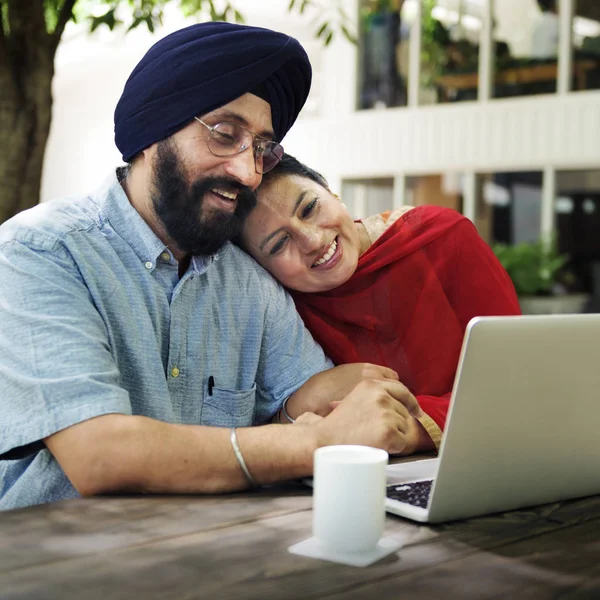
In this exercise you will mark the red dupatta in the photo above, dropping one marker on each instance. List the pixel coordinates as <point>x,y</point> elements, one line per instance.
<point>409,301</point>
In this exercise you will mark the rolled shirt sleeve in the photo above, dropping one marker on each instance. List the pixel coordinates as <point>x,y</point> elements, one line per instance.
<point>56,367</point>
<point>289,356</point>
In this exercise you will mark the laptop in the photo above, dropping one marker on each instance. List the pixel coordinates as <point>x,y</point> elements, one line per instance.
<point>523,423</point>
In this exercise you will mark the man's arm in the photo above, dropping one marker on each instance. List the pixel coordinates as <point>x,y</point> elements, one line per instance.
<point>123,453</point>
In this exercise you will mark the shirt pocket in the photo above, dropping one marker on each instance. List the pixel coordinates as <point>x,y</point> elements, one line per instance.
<point>229,408</point>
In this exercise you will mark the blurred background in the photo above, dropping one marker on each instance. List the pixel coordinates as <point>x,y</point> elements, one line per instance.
<point>489,107</point>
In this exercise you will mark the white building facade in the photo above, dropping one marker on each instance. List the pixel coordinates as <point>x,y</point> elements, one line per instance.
<point>376,157</point>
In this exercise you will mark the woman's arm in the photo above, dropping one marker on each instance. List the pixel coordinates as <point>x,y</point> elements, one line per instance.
<point>476,285</point>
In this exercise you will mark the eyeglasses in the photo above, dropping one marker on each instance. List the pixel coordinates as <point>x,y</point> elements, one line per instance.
<point>228,139</point>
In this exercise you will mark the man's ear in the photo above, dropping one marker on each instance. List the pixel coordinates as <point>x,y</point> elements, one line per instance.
<point>147,154</point>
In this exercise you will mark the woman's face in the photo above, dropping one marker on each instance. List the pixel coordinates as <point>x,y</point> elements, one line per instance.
<point>302,234</point>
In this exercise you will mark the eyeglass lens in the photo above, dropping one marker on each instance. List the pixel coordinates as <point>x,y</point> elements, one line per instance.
<point>230,138</point>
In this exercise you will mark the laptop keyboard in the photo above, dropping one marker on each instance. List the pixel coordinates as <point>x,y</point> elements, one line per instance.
<point>415,493</point>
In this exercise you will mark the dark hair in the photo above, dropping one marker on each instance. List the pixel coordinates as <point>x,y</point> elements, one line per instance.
<point>288,165</point>
<point>292,166</point>
<point>547,5</point>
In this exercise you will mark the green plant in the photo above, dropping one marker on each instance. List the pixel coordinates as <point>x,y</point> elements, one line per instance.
<point>434,41</point>
<point>329,17</point>
<point>535,268</point>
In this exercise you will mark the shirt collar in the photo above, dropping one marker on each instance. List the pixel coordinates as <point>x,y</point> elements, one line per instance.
<point>116,209</point>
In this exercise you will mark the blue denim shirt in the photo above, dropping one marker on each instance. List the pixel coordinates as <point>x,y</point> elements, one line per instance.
<point>94,319</point>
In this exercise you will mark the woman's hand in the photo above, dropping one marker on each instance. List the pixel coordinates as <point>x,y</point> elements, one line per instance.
<point>317,394</point>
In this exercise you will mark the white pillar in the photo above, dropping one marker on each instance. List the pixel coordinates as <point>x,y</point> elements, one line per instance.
<point>400,198</point>
<point>470,195</point>
<point>486,53</point>
<point>414,58</point>
<point>360,201</point>
<point>565,45</point>
<point>547,208</point>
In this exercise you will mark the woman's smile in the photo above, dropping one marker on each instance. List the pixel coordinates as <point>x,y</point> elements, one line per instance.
<point>331,257</point>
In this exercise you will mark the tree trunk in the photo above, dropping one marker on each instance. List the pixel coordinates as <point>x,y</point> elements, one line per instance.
<point>24,128</point>
<point>27,53</point>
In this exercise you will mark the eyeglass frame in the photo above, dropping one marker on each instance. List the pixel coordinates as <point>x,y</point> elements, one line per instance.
<point>264,141</point>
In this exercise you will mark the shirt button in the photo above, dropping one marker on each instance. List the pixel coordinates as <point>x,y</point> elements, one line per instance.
<point>148,265</point>
<point>165,256</point>
<point>174,372</point>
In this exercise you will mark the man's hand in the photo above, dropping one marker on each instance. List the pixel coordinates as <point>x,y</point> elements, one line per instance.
<point>379,413</point>
<point>317,394</point>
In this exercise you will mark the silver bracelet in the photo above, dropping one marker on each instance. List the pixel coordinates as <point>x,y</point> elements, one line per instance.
<point>285,412</point>
<point>240,458</point>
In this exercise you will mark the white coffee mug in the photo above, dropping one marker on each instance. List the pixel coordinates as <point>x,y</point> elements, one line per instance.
<point>349,497</point>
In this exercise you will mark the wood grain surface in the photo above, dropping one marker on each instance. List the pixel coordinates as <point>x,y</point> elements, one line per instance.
<point>235,546</point>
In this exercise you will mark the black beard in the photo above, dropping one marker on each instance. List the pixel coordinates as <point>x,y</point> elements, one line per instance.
<point>179,206</point>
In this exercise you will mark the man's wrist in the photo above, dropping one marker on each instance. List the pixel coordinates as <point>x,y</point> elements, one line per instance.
<point>311,439</point>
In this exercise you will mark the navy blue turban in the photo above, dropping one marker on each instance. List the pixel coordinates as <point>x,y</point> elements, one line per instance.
<point>202,67</point>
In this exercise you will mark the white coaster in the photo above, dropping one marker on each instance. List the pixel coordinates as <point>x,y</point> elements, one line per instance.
<point>313,548</point>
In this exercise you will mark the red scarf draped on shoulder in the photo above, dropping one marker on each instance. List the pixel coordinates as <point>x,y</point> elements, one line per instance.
<point>409,301</point>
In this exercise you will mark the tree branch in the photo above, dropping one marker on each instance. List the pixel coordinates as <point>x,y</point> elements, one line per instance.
<point>66,13</point>
<point>3,49</point>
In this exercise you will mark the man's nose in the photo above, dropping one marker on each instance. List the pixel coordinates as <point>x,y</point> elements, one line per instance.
<point>242,168</point>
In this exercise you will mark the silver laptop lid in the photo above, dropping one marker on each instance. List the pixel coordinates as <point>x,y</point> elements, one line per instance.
<point>523,424</point>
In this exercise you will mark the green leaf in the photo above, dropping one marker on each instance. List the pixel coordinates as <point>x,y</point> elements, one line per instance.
<point>95,23</point>
<point>150,23</point>
<point>135,23</point>
<point>322,29</point>
<point>291,5</point>
<point>533,267</point>
<point>349,36</point>
<point>328,38</point>
<point>213,11</point>
<point>107,19</point>
<point>51,11</point>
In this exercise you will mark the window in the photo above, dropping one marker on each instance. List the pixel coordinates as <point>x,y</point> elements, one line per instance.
<point>365,197</point>
<point>509,207</point>
<point>577,220</point>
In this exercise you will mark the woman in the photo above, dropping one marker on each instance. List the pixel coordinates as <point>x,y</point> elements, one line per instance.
<point>395,289</point>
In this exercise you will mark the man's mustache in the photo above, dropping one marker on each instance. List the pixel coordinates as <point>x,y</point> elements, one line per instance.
<point>206,184</point>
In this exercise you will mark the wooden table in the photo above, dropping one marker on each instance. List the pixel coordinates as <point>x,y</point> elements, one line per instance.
<point>518,75</point>
<point>235,546</point>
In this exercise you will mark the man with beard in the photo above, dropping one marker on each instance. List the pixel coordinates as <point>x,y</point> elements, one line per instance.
<point>138,346</point>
